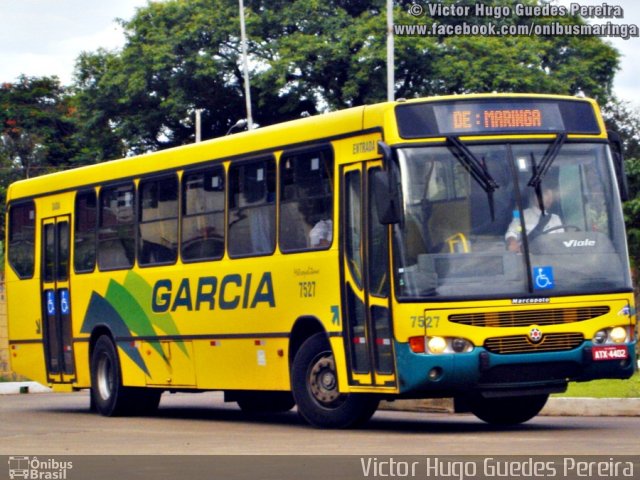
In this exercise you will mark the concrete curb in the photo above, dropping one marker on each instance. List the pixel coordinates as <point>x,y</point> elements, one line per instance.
<point>12,388</point>
<point>556,406</point>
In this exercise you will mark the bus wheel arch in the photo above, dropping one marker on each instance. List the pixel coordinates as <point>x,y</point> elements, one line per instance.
<point>315,389</point>
<point>109,396</point>
<point>304,328</point>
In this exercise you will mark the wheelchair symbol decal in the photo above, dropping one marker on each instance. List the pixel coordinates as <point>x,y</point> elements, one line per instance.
<point>64,302</point>
<point>543,278</point>
<point>51,303</point>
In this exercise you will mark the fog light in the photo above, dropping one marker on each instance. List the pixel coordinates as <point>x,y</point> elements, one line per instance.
<point>618,335</point>
<point>435,373</point>
<point>437,344</point>
<point>600,337</point>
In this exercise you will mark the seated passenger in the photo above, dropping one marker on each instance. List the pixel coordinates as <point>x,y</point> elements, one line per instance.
<point>534,221</point>
<point>317,215</point>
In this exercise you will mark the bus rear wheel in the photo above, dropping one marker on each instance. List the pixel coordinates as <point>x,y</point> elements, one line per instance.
<point>507,410</point>
<point>315,389</point>
<point>108,396</point>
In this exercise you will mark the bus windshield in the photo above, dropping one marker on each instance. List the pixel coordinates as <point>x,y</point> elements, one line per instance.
<point>549,224</point>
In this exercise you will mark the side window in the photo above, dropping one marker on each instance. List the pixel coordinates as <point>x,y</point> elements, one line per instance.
<point>353,224</point>
<point>306,201</point>
<point>158,221</point>
<point>252,208</point>
<point>378,247</point>
<point>116,234</point>
<point>21,251</point>
<point>84,240</point>
<point>203,215</point>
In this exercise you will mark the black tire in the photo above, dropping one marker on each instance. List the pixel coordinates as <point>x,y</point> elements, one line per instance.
<point>507,410</point>
<point>265,402</point>
<point>315,389</point>
<point>108,396</point>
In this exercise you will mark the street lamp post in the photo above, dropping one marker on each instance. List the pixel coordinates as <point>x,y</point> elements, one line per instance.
<point>245,62</point>
<point>390,53</point>
<point>198,125</point>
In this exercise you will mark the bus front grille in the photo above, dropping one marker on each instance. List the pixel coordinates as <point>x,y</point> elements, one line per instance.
<point>524,318</point>
<point>551,342</point>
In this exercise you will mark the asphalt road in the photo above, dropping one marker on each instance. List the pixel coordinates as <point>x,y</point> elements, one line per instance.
<point>197,424</point>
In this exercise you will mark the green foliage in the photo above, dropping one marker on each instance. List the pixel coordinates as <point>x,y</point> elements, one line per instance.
<point>37,130</point>
<point>305,56</point>
<point>36,126</point>
<point>605,388</point>
<point>624,119</point>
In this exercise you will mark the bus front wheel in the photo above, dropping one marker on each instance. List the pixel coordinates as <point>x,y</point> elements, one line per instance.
<point>108,396</point>
<point>315,389</point>
<point>507,410</point>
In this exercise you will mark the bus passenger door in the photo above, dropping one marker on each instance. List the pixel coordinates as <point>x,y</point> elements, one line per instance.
<point>56,299</point>
<point>368,333</point>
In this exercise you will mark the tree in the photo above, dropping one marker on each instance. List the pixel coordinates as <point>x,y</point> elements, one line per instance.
<point>36,130</point>
<point>624,119</point>
<point>306,56</point>
<point>179,56</point>
<point>36,126</point>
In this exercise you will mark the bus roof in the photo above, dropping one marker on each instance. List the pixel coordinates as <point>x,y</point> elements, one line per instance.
<point>262,140</point>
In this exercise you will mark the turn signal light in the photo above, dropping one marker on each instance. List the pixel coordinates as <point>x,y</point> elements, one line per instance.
<point>417,344</point>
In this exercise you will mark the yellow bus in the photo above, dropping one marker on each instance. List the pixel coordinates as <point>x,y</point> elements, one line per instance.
<point>468,247</point>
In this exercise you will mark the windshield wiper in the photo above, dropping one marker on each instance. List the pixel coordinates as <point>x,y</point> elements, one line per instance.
<point>476,168</point>
<point>539,171</point>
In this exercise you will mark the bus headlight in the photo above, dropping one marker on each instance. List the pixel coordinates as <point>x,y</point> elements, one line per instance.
<point>618,334</point>
<point>611,335</point>
<point>436,345</point>
<point>600,337</point>
<point>460,345</point>
<point>439,345</point>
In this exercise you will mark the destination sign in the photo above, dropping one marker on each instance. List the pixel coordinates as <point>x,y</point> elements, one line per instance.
<point>496,116</point>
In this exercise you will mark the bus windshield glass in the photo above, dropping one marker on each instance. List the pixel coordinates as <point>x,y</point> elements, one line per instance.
<point>551,223</point>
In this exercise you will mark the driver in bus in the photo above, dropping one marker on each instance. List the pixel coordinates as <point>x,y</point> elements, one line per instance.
<point>535,223</point>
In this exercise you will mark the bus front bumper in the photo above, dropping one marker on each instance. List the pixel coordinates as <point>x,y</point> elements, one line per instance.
<point>421,375</point>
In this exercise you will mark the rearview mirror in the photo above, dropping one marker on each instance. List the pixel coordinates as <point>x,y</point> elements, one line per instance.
<point>618,162</point>
<point>386,189</point>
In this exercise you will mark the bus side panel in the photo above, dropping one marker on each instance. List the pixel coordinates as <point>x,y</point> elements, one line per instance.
<point>25,328</point>
<point>242,364</point>
<point>81,358</point>
<point>169,363</point>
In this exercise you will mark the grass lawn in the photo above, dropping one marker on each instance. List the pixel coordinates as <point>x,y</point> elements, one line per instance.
<point>605,388</point>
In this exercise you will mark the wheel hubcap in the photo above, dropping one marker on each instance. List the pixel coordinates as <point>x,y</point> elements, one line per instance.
<point>105,378</point>
<point>323,381</point>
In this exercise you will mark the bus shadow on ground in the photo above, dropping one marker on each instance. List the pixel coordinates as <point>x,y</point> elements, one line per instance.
<point>382,421</point>
<point>207,408</point>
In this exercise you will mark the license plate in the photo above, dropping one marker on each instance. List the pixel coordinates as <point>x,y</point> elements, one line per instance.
<point>610,353</point>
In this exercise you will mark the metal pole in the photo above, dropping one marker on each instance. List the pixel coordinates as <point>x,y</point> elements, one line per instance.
<point>245,61</point>
<point>390,54</point>
<point>198,125</point>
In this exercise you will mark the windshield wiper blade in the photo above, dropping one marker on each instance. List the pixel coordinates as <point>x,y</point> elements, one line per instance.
<point>477,169</point>
<point>539,171</point>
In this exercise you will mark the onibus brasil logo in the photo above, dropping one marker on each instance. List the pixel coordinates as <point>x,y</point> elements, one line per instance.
<point>38,469</point>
